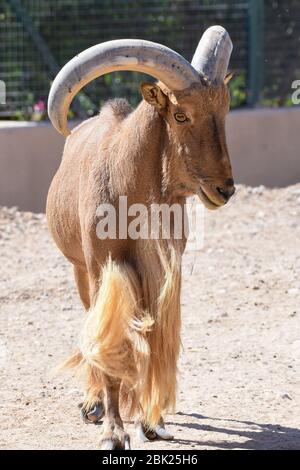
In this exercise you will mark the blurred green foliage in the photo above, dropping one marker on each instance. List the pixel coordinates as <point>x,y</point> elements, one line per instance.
<point>237,87</point>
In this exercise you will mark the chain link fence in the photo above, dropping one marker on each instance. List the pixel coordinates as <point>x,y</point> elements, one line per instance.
<point>37,37</point>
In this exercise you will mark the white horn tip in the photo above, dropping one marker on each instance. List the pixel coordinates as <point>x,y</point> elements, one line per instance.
<point>212,55</point>
<point>220,31</point>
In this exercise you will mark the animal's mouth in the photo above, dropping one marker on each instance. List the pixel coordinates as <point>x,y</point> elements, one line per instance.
<point>209,199</point>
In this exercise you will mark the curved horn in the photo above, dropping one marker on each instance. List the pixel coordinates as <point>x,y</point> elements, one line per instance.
<point>212,55</point>
<point>125,54</point>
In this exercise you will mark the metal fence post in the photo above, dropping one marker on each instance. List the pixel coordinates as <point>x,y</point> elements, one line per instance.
<point>256,50</point>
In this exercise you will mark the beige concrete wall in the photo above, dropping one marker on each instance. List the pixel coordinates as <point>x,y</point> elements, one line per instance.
<point>29,156</point>
<point>264,148</point>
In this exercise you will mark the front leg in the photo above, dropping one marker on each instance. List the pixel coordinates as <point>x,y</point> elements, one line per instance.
<point>113,435</point>
<point>83,285</point>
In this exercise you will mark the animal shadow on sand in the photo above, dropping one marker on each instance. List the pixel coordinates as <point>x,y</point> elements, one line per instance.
<point>257,436</point>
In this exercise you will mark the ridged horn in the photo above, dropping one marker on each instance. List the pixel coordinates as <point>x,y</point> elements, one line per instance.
<point>125,54</point>
<point>213,53</point>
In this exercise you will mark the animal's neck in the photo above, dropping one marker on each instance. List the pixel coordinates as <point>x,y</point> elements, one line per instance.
<point>152,160</point>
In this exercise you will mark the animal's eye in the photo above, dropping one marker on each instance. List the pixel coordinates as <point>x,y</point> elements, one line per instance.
<point>180,117</point>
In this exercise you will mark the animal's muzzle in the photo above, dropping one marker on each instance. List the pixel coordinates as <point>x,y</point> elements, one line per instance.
<point>226,191</point>
<point>214,196</point>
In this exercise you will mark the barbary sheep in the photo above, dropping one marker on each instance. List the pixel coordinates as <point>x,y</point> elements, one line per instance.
<point>170,147</point>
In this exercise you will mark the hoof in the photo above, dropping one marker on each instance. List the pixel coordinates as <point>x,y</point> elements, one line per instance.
<point>114,443</point>
<point>144,434</point>
<point>114,437</point>
<point>161,433</point>
<point>94,415</point>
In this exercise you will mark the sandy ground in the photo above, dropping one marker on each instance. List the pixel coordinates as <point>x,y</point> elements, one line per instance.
<point>239,368</point>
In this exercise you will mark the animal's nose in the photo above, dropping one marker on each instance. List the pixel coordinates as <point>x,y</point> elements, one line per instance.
<point>227,191</point>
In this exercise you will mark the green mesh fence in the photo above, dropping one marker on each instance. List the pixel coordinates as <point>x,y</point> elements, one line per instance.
<point>37,37</point>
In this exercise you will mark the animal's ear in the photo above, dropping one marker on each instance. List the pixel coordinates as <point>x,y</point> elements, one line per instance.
<point>153,95</point>
<point>228,77</point>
